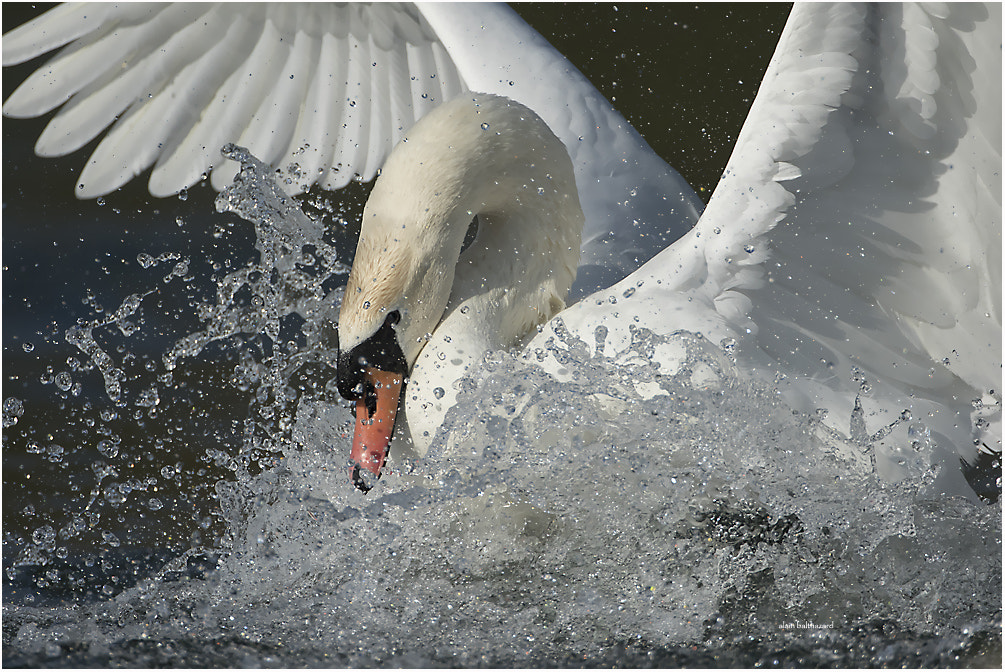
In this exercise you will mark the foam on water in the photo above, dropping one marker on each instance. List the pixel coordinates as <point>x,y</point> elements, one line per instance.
<point>552,523</point>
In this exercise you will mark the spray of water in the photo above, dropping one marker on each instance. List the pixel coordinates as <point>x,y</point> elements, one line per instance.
<point>553,523</point>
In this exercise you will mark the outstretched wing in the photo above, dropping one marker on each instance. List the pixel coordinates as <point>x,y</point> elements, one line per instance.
<point>318,90</point>
<point>323,92</point>
<point>854,241</point>
<point>860,213</point>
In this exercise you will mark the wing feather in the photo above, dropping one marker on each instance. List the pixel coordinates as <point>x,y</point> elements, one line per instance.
<point>50,31</point>
<point>353,139</point>
<point>331,101</point>
<point>381,126</point>
<point>270,131</point>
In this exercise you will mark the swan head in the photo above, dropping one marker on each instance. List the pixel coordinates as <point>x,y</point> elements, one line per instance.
<point>477,155</point>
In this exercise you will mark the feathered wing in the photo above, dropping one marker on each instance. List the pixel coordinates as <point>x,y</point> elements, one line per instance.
<point>879,256</point>
<point>853,246</point>
<point>888,244</point>
<point>318,90</point>
<point>323,92</point>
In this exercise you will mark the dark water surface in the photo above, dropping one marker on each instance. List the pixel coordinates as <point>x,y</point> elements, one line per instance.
<point>200,516</point>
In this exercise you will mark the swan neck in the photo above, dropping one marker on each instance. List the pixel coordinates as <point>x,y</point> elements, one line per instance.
<point>478,155</point>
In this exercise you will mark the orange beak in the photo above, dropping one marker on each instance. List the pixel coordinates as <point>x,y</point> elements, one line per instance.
<point>375,421</point>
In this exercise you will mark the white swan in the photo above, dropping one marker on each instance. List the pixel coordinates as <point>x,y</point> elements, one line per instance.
<point>857,226</point>
<point>851,251</point>
<point>323,92</point>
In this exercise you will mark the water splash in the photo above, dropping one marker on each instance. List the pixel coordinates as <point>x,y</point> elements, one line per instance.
<point>623,515</point>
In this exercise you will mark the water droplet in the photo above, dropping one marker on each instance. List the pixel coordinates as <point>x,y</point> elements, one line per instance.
<point>438,392</point>
<point>63,381</point>
<point>108,448</point>
<point>55,453</point>
<point>13,409</point>
<point>44,536</point>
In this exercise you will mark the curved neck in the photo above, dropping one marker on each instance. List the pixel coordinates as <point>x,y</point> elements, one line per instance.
<point>476,155</point>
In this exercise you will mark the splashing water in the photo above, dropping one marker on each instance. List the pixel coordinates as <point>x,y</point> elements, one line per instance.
<point>552,523</point>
